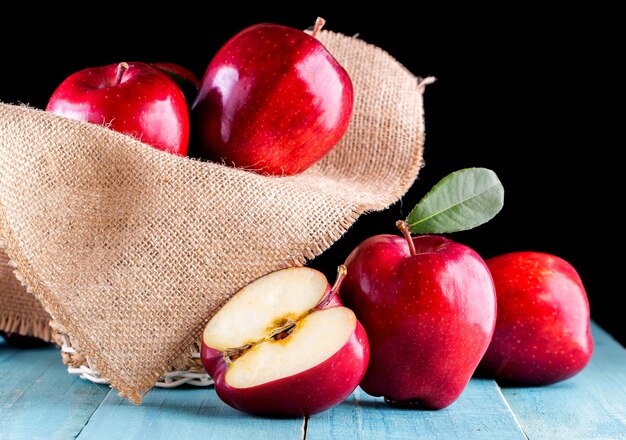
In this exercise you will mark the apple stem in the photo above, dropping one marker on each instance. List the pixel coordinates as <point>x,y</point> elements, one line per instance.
<point>404,228</point>
<point>121,68</point>
<point>341,274</point>
<point>423,82</point>
<point>319,24</point>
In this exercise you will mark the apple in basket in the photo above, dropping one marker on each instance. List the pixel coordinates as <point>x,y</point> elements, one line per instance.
<point>272,100</point>
<point>133,98</point>
<point>284,345</point>
<point>185,79</point>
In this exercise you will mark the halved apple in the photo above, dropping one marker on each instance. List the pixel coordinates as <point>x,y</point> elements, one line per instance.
<point>284,345</point>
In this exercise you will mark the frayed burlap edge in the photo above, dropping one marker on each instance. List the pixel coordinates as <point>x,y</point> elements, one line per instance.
<point>39,328</point>
<point>23,322</point>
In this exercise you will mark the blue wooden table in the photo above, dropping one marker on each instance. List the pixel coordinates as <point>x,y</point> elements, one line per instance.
<point>40,400</point>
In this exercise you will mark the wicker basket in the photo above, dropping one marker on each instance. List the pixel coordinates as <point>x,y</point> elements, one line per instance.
<point>76,363</point>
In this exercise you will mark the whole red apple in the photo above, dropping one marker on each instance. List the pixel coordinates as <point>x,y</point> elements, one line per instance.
<point>285,346</point>
<point>542,332</point>
<point>133,98</point>
<point>428,306</point>
<point>272,100</point>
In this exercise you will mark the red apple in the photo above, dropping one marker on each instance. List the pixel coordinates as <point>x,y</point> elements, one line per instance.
<point>133,98</point>
<point>542,332</point>
<point>185,79</point>
<point>428,306</point>
<point>285,346</point>
<point>272,100</point>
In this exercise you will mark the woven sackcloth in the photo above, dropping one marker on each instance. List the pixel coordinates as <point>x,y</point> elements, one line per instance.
<point>131,250</point>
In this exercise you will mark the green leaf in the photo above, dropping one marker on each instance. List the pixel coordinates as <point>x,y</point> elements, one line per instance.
<point>462,200</point>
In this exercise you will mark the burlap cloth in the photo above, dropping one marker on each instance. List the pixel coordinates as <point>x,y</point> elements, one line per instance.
<point>132,250</point>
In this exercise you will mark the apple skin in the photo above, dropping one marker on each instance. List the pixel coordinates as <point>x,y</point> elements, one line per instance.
<point>542,333</point>
<point>429,317</point>
<point>272,100</point>
<point>146,104</point>
<point>185,79</point>
<point>305,393</point>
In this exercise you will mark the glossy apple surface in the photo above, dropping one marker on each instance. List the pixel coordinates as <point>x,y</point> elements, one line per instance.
<point>133,98</point>
<point>272,100</point>
<point>285,346</point>
<point>185,79</point>
<point>429,315</point>
<point>542,332</point>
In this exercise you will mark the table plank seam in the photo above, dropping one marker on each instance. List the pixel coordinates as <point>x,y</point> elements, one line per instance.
<point>506,403</point>
<point>92,414</point>
<point>589,405</point>
<point>305,423</point>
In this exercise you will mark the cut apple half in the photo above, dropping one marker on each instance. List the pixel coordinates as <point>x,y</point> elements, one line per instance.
<point>285,345</point>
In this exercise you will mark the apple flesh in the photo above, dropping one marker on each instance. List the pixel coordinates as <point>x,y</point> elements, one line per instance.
<point>133,98</point>
<point>542,333</point>
<point>285,346</point>
<point>428,306</point>
<point>272,100</point>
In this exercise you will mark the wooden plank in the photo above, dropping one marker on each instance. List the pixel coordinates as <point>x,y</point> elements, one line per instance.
<point>39,399</point>
<point>479,413</point>
<point>183,413</point>
<point>591,405</point>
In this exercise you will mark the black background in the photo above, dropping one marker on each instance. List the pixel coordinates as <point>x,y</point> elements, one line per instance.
<point>528,92</point>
